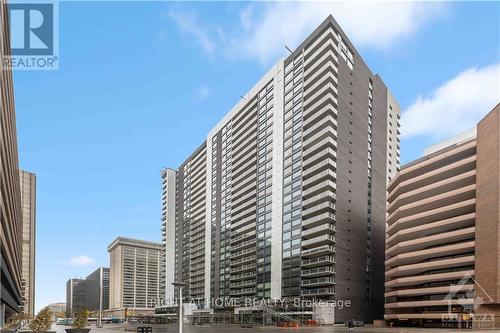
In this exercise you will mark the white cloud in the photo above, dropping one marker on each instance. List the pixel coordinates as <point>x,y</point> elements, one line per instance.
<point>188,24</point>
<point>264,29</point>
<point>203,92</point>
<point>455,106</point>
<point>81,260</point>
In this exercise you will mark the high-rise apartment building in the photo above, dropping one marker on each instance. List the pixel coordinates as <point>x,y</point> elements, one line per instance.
<point>10,194</point>
<point>134,275</point>
<point>443,244</point>
<point>28,200</point>
<point>286,197</point>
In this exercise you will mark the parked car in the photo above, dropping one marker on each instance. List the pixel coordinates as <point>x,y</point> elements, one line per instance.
<point>355,323</point>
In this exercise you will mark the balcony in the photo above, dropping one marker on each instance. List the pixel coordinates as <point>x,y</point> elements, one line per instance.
<point>247,283</point>
<point>248,228</point>
<point>427,278</point>
<point>326,164</point>
<point>318,241</point>
<point>242,260</point>
<point>320,271</point>
<point>323,207</point>
<point>314,180</point>
<point>243,245</point>
<point>320,261</point>
<point>318,251</point>
<point>242,276</point>
<point>318,282</point>
<point>242,237</point>
<point>318,220</point>
<point>319,230</point>
<point>326,196</point>
<point>321,155</point>
<point>235,255</point>
<point>326,143</point>
<point>318,292</point>
<point>325,185</point>
<point>441,213</point>
<point>243,268</point>
<point>244,291</point>
<point>433,228</point>
<point>440,201</point>
<point>415,269</point>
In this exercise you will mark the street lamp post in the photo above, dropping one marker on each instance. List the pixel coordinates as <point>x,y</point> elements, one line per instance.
<point>180,285</point>
<point>99,323</point>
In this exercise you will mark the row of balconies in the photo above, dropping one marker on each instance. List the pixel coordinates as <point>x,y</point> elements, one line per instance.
<point>439,201</point>
<point>249,220</point>
<point>327,79</point>
<point>197,278</point>
<point>328,195</point>
<point>194,267</point>
<point>235,255</point>
<point>242,276</point>
<point>313,76</point>
<point>328,228</point>
<point>448,162</point>
<point>320,271</point>
<point>322,155</point>
<point>241,237</point>
<point>243,244</point>
<point>318,251</point>
<point>325,133</point>
<point>242,260</point>
<point>196,285</point>
<point>425,217</point>
<point>317,54</point>
<point>196,273</point>
<point>316,282</point>
<point>318,292</point>
<point>242,284</point>
<point>419,268</point>
<point>323,207</point>
<point>243,291</point>
<point>326,164</point>
<point>314,180</point>
<point>243,268</point>
<point>317,220</point>
<point>319,261</point>
<point>244,228</point>
<point>328,142</point>
<point>318,241</point>
<point>438,187</point>
<point>328,35</point>
<point>428,229</point>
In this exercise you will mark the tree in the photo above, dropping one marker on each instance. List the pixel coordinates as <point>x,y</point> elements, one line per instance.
<point>81,319</point>
<point>42,321</point>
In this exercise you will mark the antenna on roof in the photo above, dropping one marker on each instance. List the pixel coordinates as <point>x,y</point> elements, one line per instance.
<point>286,47</point>
<point>243,97</point>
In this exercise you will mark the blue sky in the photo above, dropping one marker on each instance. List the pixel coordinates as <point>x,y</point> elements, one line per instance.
<point>141,83</point>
